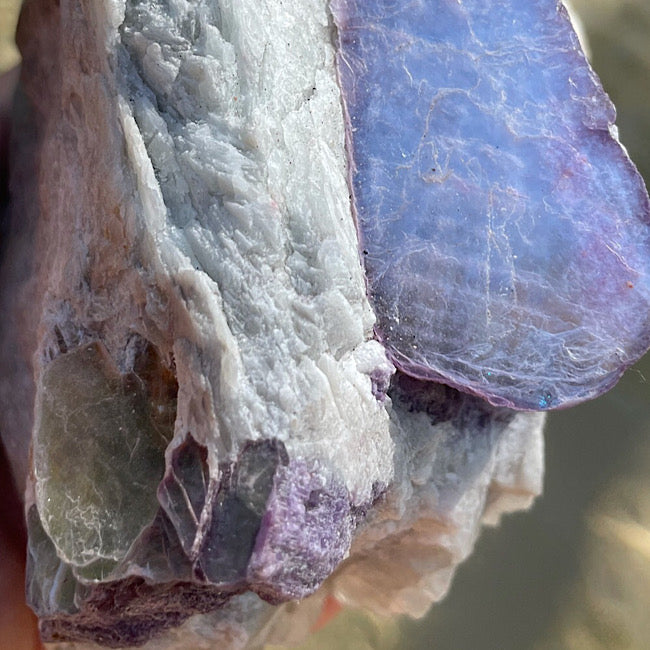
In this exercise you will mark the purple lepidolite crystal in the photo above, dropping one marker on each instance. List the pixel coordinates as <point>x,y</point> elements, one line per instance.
<point>503,228</point>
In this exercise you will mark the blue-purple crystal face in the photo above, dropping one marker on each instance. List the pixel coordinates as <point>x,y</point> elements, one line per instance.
<point>504,230</point>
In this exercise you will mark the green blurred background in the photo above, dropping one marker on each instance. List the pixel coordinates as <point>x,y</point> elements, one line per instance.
<point>574,572</point>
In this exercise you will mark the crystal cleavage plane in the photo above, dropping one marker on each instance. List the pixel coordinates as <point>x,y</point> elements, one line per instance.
<point>505,232</point>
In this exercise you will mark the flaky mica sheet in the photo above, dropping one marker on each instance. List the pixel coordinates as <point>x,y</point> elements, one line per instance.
<point>505,231</point>
<point>187,340</point>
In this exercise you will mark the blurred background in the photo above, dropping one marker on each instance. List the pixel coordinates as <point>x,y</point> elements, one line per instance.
<point>8,16</point>
<point>574,572</point>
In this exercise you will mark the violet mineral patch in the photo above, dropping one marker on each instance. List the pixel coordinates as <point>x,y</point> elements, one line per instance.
<point>504,231</point>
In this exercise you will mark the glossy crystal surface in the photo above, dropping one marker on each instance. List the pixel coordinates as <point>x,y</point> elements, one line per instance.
<point>503,228</point>
<point>96,448</point>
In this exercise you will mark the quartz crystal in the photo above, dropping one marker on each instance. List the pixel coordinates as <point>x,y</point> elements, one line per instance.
<point>505,233</point>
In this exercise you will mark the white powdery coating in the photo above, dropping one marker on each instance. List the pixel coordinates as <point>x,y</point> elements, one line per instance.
<point>242,177</point>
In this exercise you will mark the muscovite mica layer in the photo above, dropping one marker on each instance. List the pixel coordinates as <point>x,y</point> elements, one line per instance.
<point>186,334</point>
<point>505,232</point>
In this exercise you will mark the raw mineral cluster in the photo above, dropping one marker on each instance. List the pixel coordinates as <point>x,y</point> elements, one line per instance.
<point>248,241</point>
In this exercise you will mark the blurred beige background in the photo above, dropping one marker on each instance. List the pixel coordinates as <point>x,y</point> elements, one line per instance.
<point>8,16</point>
<point>574,572</point>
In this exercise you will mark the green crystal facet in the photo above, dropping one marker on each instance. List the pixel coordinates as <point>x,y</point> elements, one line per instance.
<point>98,458</point>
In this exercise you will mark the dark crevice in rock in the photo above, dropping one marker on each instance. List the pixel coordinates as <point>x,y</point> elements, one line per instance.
<point>160,384</point>
<point>443,403</point>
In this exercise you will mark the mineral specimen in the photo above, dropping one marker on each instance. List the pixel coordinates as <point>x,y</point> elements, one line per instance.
<point>184,313</point>
<point>505,233</point>
<point>193,396</point>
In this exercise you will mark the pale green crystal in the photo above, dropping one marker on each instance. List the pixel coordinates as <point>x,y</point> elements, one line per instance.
<point>51,585</point>
<point>98,458</point>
